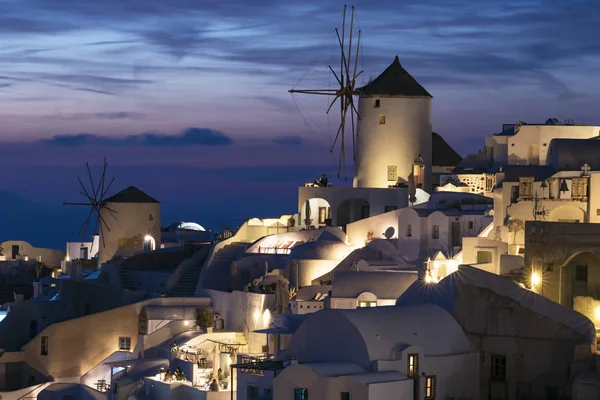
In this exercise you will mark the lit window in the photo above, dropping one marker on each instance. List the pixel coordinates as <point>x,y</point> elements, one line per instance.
<point>382,119</point>
<point>435,232</point>
<point>413,364</point>
<point>364,304</point>
<point>125,343</point>
<point>44,346</point>
<point>429,387</point>
<point>409,230</point>
<point>377,103</point>
<point>323,214</point>
<point>498,368</point>
<point>300,394</point>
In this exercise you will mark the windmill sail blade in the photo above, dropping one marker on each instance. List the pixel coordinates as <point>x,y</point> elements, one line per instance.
<point>323,92</point>
<point>91,180</point>
<point>353,133</point>
<point>86,222</point>
<point>336,137</point>
<point>350,46</point>
<point>344,66</point>
<point>102,236</point>
<point>354,109</point>
<point>105,224</point>
<point>354,76</point>
<point>96,227</point>
<point>84,189</point>
<point>332,103</point>
<point>107,189</point>
<point>109,209</point>
<point>336,77</point>
<point>102,178</point>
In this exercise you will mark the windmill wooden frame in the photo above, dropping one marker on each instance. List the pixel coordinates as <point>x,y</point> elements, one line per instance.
<point>346,91</point>
<point>95,201</point>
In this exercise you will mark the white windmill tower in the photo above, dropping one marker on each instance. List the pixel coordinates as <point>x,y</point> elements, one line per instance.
<point>392,139</point>
<point>394,131</point>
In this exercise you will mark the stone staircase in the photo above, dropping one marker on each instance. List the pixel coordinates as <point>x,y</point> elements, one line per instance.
<point>218,271</point>
<point>229,253</point>
<point>186,286</point>
<point>126,281</point>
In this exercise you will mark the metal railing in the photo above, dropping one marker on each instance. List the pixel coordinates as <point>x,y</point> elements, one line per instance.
<point>273,250</point>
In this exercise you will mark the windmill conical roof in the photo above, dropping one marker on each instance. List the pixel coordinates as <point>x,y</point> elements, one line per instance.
<point>442,154</point>
<point>394,81</point>
<point>131,195</point>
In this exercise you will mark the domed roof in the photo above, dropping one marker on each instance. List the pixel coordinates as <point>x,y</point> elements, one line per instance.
<point>373,334</point>
<point>186,226</point>
<point>320,250</point>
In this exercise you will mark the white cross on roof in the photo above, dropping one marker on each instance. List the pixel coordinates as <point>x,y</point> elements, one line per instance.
<point>585,168</point>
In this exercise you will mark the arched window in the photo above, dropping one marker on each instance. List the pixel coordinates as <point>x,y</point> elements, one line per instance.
<point>149,244</point>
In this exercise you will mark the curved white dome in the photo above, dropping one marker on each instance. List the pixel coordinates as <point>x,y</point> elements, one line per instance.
<point>320,250</point>
<point>191,226</point>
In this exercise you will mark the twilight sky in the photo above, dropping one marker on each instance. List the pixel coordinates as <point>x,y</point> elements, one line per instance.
<point>188,98</point>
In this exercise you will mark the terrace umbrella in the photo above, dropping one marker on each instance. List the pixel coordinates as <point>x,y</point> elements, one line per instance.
<point>307,219</point>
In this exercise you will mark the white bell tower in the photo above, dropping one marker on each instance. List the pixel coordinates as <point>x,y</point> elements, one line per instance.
<point>394,132</point>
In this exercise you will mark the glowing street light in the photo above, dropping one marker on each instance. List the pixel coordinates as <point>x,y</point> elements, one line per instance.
<point>536,279</point>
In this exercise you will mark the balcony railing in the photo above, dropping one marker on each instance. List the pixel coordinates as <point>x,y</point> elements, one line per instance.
<point>274,250</point>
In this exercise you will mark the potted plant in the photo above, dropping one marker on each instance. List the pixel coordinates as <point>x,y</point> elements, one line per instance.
<point>291,222</point>
<point>204,318</point>
<point>370,235</point>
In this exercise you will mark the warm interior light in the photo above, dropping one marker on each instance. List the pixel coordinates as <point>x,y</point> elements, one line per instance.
<point>536,279</point>
<point>428,278</point>
<point>256,316</point>
<point>597,313</point>
<point>148,238</point>
<point>186,323</point>
<point>266,318</point>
